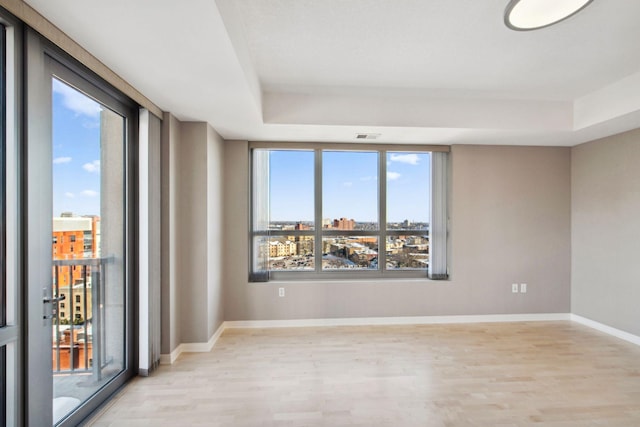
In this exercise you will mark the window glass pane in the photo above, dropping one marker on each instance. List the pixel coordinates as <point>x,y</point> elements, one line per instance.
<point>88,180</point>
<point>408,205</point>
<point>350,190</point>
<point>406,252</point>
<point>291,201</point>
<point>408,187</point>
<point>291,253</point>
<point>350,253</point>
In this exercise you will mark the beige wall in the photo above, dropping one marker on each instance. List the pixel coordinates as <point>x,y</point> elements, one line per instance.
<point>510,222</point>
<point>170,304</point>
<point>606,231</point>
<point>198,227</point>
<point>215,245</point>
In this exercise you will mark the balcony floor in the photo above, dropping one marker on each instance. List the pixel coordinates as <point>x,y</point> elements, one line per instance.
<point>69,387</point>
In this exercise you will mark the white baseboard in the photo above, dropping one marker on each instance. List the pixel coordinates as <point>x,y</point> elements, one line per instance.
<point>196,347</point>
<point>168,359</point>
<point>606,329</point>
<point>413,320</point>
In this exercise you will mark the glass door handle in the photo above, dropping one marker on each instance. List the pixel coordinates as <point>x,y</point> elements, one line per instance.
<point>46,300</point>
<point>54,309</point>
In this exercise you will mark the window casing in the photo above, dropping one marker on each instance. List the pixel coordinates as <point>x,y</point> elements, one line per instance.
<point>300,233</point>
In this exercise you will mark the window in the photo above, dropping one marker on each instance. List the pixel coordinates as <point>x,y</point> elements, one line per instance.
<point>72,238</point>
<point>77,298</point>
<point>327,212</point>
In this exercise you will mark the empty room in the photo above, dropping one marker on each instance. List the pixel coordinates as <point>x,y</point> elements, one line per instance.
<point>319,213</point>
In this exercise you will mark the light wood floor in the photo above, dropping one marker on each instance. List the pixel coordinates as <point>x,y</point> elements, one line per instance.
<point>498,374</point>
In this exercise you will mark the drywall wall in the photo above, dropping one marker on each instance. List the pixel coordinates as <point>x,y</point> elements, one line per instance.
<point>198,230</point>
<point>170,300</point>
<point>510,222</point>
<point>215,309</point>
<point>606,231</point>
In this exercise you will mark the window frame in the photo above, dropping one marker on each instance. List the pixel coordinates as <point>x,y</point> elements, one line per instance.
<point>3,276</point>
<point>11,338</point>
<point>319,232</point>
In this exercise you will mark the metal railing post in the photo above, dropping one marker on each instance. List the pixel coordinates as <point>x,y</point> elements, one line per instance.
<point>96,321</point>
<point>71,323</point>
<point>86,318</point>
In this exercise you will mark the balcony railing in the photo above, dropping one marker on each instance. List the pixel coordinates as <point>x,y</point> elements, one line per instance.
<point>78,340</point>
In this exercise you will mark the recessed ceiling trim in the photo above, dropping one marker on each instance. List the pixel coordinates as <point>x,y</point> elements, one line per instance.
<point>527,15</point>
<point>370,112</point>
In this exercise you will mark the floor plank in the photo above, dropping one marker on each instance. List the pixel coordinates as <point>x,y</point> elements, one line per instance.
<point>494,374</point>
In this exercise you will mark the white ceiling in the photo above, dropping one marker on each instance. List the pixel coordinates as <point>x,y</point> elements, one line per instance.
<point>437,71</point>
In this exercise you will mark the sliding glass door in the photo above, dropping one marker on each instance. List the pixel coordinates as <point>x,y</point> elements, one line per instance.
<point>79,249</point>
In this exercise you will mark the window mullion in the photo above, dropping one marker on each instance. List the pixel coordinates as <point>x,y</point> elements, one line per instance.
<point>317,188</point>
<point>382,209</point>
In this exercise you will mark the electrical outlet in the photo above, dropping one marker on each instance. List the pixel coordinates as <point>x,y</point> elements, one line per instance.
<point>523,288</point>
<point>280,292</point>
<point>514,288</point>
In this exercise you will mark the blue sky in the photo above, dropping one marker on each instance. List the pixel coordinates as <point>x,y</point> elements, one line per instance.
<point>350,186</point>
<point>76,152</point>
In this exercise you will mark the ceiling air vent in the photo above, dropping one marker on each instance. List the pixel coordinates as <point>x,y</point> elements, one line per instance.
<point>367,135</point>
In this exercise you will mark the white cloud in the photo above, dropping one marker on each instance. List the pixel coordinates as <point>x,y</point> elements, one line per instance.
<point>89,193</point>
<point>347,184</point>
<point>392,176</point>
<point>92,167</point>
<point>69,195</point>
<point>76,101</point>
<point>60,160</point>
<point>411,159</point>
<point>94,124</point>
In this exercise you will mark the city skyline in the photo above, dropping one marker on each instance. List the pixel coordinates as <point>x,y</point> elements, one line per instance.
<point>290,253</point>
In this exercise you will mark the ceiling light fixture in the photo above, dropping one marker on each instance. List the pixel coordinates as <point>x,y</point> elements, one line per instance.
<point>524,15</point>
